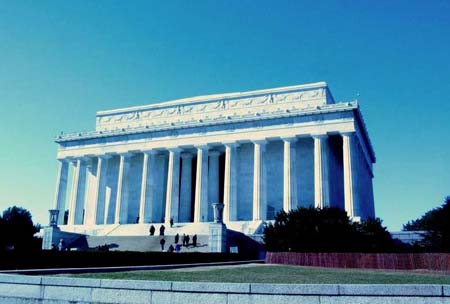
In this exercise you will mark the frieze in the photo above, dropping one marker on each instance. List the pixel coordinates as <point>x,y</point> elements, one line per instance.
<point>276,103</point>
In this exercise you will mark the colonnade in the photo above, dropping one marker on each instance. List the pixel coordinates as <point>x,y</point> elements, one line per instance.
<point>94,211</point>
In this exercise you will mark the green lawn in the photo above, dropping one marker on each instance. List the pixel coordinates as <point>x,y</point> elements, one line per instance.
<point>279,274</point>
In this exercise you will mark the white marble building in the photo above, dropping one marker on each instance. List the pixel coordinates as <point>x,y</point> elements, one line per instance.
<point>256,152</point>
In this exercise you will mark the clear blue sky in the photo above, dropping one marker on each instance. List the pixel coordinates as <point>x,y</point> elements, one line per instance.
<point>61,61</point>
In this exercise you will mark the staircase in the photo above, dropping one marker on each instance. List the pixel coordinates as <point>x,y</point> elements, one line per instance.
<point>146,243</point>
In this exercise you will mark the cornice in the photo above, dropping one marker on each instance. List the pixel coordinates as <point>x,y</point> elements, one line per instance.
<point>238,118</point>
<point>216,107</point>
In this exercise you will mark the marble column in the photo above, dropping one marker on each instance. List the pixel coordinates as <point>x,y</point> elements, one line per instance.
<point>259,182</point>
<point>186,187</point>
<point>289,175</point>
<point>201,186</point>
<point>121,216</point>
<point>350,176</point>
<point>173,187</point>
<point>230,183</point>
<point>147,198</point>
<point>78,192</point>
<point>158,207</point>
<point>61,189</point>
<point>321,174</point>
<point>213,182</point>
<point>91,192</point>
<point>100,189</point>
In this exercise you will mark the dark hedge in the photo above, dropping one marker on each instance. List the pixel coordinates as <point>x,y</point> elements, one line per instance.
<point>11,260</point>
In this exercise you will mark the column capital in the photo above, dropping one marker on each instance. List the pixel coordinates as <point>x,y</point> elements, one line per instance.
<point>214,153</point>
<point>105,156</point>
<point>319,136</point>
<point>348,134</point>
<point>231,144</point>
<point>259,141</point>
<point>202,147</point>
<point>290,139</point>
<point>175,149</point>
<point>126,155</point>
<point>81,159</point>
<point>150,152</point>
<point>186,155</point>
<point>63,160</point>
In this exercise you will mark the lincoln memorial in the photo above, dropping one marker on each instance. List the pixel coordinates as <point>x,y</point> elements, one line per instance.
<point>257,152</point>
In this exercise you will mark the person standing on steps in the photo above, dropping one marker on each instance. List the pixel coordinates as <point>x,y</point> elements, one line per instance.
<point>194,240</point>
<point>152,230</point>
<point>171,248</point>
<point>177,238</point>
<point>162,242</point>
<point>171,222</point>
<point>161,230</point>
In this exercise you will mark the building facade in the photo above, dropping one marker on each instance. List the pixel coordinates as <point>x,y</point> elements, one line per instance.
<point>256,152</point>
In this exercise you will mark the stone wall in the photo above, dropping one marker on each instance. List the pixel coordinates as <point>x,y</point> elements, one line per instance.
<point>41,289</point>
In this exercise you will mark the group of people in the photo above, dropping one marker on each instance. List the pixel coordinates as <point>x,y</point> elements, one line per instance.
<point>177,247</point>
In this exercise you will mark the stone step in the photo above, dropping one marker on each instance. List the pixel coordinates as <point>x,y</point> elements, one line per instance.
<point>146,243</point>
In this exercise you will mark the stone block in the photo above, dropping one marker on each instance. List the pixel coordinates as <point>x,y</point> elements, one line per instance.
<point>380,300</point>
<point>66,281</point>
<point>292,289</point>
<point>392,290</point>
<point>19,300</point>
<point>211,287</point>
<point>20,290</point>
<point>446,290</point>
<point>125,296</point>
<point>136,284</point>
<point>12,278</point>
<point>165,297</point>
<point>271,299</point>
<point>68,293</point>
<point>62,302</point>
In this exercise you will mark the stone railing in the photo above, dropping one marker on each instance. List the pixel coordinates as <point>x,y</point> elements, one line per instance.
<point>41,289</point>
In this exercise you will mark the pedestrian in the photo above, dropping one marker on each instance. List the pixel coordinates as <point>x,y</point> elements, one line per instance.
<point>177,238</point>
<point>162,242</point>
<point>152,230</point>
<point>171,249</point>
<point>61,245</point>
<point>187,240</point>
<point>161,230</point>
<point>171,222</point>
<point>194,240</point>
<point>177,248</point>
<point>184,239</point>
